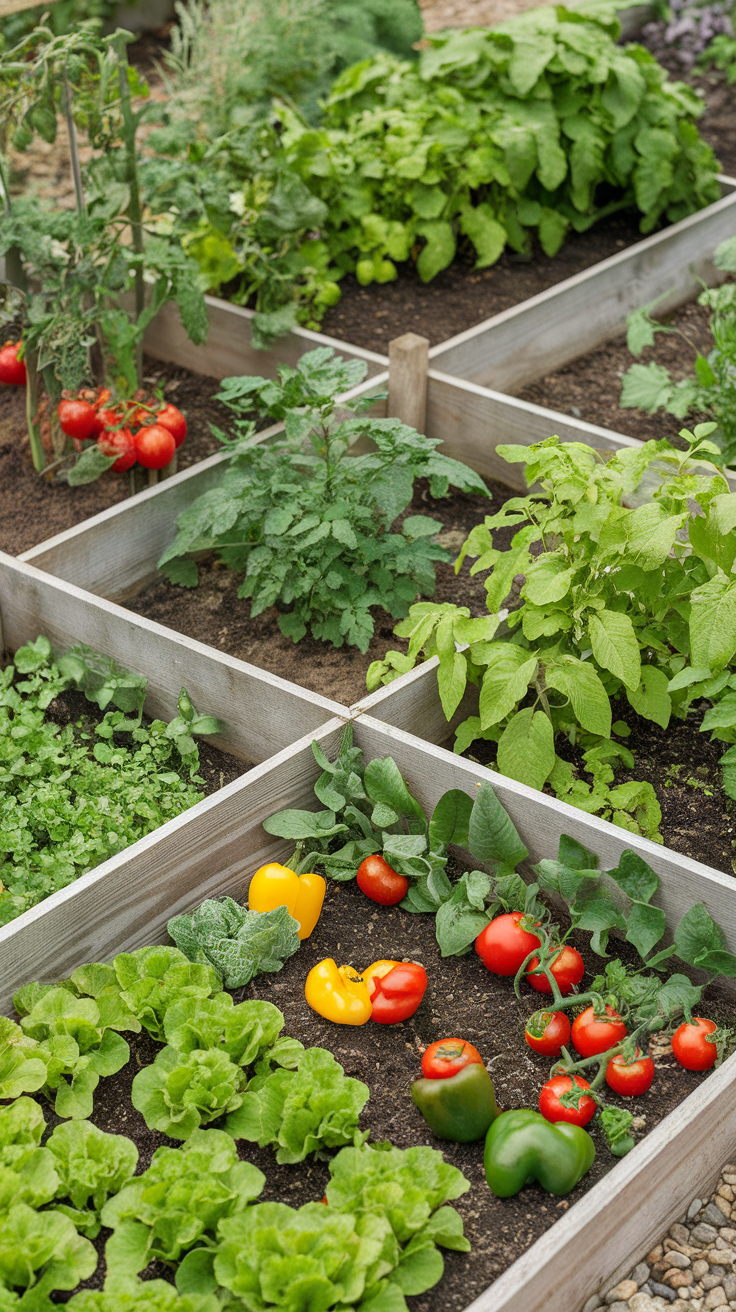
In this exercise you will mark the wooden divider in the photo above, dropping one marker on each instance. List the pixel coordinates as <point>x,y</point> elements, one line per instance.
<point>539,335</point>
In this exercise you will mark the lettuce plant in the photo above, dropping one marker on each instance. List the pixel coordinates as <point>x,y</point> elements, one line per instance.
<point>39,1253</point>
<point>21,1068</point>
<point>76,1047</point>
<point>129,1294</point>
<point>182,1091</point>
<point>243,1031</point>
<point>91,1165</point>
<point>150,979</point>
<point>238,943</point>
<point>302,1111</point>
<point>27,1171</point>
<point>178,1202</point>
<point>407,1184</point>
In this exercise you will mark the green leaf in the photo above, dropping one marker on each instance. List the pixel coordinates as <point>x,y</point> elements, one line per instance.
<point>439,250</point>
<point>384,782</point>
<point>480,224</point>
<point>651,699</point>
<point>701,942</point>
<point>635,877</point>
<point>645,926</point>
<point>578,681</point>
<point>450,820</point>
<point>615,646</point>
<point>237,942</point>
<point>459,920</point>
<point>90,464</point>
<point>646,387</point>
<point>303,824</point>
<point>651,533</point>
<point>508,674</point>
<point>713,623</point>
<point>492,836</point>
<point>526,748</point>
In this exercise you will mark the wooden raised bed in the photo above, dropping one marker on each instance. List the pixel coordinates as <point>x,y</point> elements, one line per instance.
<point>216,847</point>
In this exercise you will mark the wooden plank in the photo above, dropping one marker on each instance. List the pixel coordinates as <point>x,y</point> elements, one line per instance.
<point>263,713</point>
<point>208,851</point>
<point>229,349</point>
<point>114,553</point>
<point>408,358</point>
<point>539,335</point>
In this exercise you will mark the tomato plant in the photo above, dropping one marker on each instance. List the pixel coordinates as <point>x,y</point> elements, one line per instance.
<point>155,447</point>
<point>12,370</point>
<point>121,440</point>
<point>78,419</point>
<point>553,1109</point>
<point>548,1032</point>
<point>691,1047</point>
<point>630,1078</point>
<point>380,882</point>
<point>505,944</point>
<point>592,1034</point>
<point>567,967</point>
<point>446,1057</point>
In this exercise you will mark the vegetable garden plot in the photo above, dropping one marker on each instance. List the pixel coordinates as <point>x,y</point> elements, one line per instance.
<point>582,1247</point>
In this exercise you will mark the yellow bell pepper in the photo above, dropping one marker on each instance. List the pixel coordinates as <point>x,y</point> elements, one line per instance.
<point>277,886</point>
<point>338,993</point>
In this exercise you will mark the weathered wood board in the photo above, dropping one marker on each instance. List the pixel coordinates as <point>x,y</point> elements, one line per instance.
<point>540,335</point>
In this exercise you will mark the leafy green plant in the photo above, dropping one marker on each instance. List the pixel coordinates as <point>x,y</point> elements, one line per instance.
<point>77,1047</point>
<point>617,601</point>
<point>177,1202</point>
<point>91,1165</point>
<point>40,1252</point>
<point>129,1294</point>
<point>311,525</point>
<point>247,1031</point>
<point>712,391</point>
<point>182,1091</point>
<point>239,943</point>
<point>721,52</point>
<point>151,979</point>
<point>300,1112</point>
<point>374,1242</point>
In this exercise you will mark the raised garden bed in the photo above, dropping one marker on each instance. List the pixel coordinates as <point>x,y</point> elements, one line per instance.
<point>582,1246</point>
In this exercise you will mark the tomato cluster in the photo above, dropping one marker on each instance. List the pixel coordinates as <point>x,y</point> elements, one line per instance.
<point>148,432</point>
<point>12,370</point>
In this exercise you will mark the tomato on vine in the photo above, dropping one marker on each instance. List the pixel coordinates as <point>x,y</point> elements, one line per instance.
<point>122,441</point>
<point>691,1047</point>
<point>548,1032</point>
<point>174,420</point>
<point>446,1057</point>
<point>78,419</point>
<point>630,1078</point>
<point>553,1109</point>
<point>12,370</point>
<point>567,967</point>
<point>592,1034</point>
<point>504,944</point>
<point>155,447</point>
<point>380,882</point>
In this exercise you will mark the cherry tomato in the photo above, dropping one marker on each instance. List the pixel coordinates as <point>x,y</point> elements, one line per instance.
<point>396,989</point>
<point>503,945</point>
<point>155,447</point>
<point>553,1110</point>
<point>380,883</point>
<point>630,1078</point>
<point>691,1047</point>
<point>12,370</point>
<point>591,1035</point>
<point>121,440</point>
<point>174,420</point>
<point>548,1032</point>
<point>446,1057</point>
<point>567,967</point>
<point>78,419</point>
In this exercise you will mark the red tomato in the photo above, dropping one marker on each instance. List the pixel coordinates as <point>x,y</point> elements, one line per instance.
<point>691,1047</point>
<point>121,440</point>
<point>396,988</point>
<point>548,1032</point>
<point>12,370</point>
<point>591,1035</point>
<point>503,945</point>
<point>174,420</point>
<point>446,1057</point>
<point>78,419</point>
<point>553,1110</point>
<point>630,1078</point>
<point>380,882</point>
<point>567,967</point>
<point>154,447</point>
<point>102,397</point>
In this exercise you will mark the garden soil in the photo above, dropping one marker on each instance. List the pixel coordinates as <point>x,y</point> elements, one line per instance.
<point>462,999</point>
<point>34,508</point>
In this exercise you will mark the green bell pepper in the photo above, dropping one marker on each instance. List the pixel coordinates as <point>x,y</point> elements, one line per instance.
<point>460,1108</point>
<point>521,1146</point>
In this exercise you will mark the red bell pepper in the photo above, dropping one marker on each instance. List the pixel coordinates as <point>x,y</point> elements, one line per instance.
<point>396,989</point>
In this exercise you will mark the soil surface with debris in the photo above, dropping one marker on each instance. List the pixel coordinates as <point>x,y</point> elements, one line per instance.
<point>463,998</point>
<point>34,507</point>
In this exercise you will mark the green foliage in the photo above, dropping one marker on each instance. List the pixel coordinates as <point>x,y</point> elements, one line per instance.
<point>40,1252</point>
<point>309,525</point>
<point>239,943</point>
<point>244,1032</point>
<point>129,1294</point>
<point>182,1091</point>
<point>712,391</point>
<point>721,52</point>
<point>74,796</point>
<point>178,1202</point>
<point>619,601</point>
<point>408,1185</point>
<point>149,980</point>
<point>77,1045</point>
<point>303,1111</point>
<point>90,1165</point>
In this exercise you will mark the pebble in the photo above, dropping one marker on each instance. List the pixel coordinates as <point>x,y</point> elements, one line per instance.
<point>679,1233</point>
<point>621,1292</point>
<point>640,1274</point>
<point>663,1291</point>
<point>678,1259</point>
<point>712,1215</point>
<point>592,1303</point>
<point>703,1234</point>
<point>694,1208</point>
<point>716,1297</point>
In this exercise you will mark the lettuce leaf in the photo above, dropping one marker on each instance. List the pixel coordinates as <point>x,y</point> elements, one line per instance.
<point>243,1031</point>
<point>128,1294</point>
<point>182,1091</point>
<point>91,1165</point>
<point>41,1252</point>
<point>239,943</point>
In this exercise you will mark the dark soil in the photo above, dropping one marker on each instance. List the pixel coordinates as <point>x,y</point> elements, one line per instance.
<point>34,508</point>
<point>213,613</point>
<point>463,998</point>
<point>590,386</point>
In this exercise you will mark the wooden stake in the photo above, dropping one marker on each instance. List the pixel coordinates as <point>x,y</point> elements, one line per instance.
<point>408,362</point>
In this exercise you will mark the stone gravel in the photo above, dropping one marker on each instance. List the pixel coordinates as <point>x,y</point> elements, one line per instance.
<point>694,1266</point>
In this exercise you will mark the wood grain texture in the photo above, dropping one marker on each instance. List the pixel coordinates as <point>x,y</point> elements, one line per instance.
<point>208,851</point>
<point>229,349</point>
<point>114,553</point>
<point>532,339</point>
<point>262,712</point>
<point>408,359</point>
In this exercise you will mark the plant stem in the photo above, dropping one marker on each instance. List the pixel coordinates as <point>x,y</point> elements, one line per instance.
<point>38,454</point>
<point>73,148</point>
<point>135,213</point>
